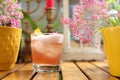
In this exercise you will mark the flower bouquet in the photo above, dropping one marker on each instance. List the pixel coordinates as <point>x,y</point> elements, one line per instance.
<point>88,17</point>
<point>10,33</point>
<point>10,13</point>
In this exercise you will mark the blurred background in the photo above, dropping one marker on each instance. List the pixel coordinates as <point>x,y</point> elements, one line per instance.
<point>35,17</point>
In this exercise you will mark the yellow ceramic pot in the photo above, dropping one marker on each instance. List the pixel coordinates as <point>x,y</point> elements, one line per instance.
<point>9,46</point>
<point>111,38</point>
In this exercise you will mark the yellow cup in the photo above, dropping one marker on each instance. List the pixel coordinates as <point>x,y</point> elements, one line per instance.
<point>111,38</point>
<point>9,46</point>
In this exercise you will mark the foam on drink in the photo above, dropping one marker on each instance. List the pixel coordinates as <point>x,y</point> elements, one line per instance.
<point>51,38</point>
<point>48,44</point>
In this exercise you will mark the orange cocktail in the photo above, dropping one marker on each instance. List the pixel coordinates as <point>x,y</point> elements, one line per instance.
<point>46,51</point>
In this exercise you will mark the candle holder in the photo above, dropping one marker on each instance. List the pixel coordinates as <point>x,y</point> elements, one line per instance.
<point>50,19</point>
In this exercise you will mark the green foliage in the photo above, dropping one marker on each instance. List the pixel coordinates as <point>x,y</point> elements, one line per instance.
<point>114,5</point>
<point>28,18</point>
<point>3,0</point>
<point>114,21</point>
<point>57,26</point>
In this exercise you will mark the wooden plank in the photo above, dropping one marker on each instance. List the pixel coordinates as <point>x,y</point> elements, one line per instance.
<point>27,67</point>
<point>113,78</point>
<point>7,72</point>
<point>71,72</point>
<point>47,76</point>
<point>93,72</point>
<point>25,73</point>
<point>102,65</point>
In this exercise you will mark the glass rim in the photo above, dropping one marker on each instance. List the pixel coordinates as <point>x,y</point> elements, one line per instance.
<point>45,33</point>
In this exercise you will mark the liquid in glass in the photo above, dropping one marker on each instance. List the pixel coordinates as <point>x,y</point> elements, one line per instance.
<point>46,52</point>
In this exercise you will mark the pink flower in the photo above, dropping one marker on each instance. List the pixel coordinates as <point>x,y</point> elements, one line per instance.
<point>85,17</point>
<point>95,17</point>
<point>65,20</point>
<point>119,14</point>
<point>73,26</point>
<point>15,23</point>
<point>10,13</point>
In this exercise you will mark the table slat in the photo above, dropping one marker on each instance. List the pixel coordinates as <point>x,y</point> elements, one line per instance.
<point>71,72</point>
<point>113,78</point>
<point>104,66</point>
<point>28,66</point>
<point>7,72</point>
<point>101,65</point>
<point>47,76</point>
<point>25,73</point>
<point>93,72</point>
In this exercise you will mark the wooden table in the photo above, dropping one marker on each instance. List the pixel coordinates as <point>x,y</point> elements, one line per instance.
<point>69,71</point>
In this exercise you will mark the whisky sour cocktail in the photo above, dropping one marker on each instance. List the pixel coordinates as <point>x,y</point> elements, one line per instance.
<point>46,52</point>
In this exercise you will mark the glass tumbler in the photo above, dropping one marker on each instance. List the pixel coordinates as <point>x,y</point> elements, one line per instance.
<point>46,52</point>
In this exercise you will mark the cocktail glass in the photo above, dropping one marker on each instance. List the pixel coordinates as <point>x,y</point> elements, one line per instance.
<point>46,52</point>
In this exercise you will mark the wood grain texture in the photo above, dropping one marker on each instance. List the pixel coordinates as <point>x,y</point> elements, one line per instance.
<point>102,65</point>
<point>5,73</point>
<point>93,72</point>
<point>47,76</point>
<point>71,72</point>
<point>25,73</point>
<point>27,67</point>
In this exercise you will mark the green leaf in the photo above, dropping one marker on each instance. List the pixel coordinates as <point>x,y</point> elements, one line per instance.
<point>111,0</point>
<point>14,0</point>
<point>28,18</point>
<point>114,4</point>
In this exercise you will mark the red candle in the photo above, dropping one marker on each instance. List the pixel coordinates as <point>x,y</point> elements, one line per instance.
<point>49,3</point>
